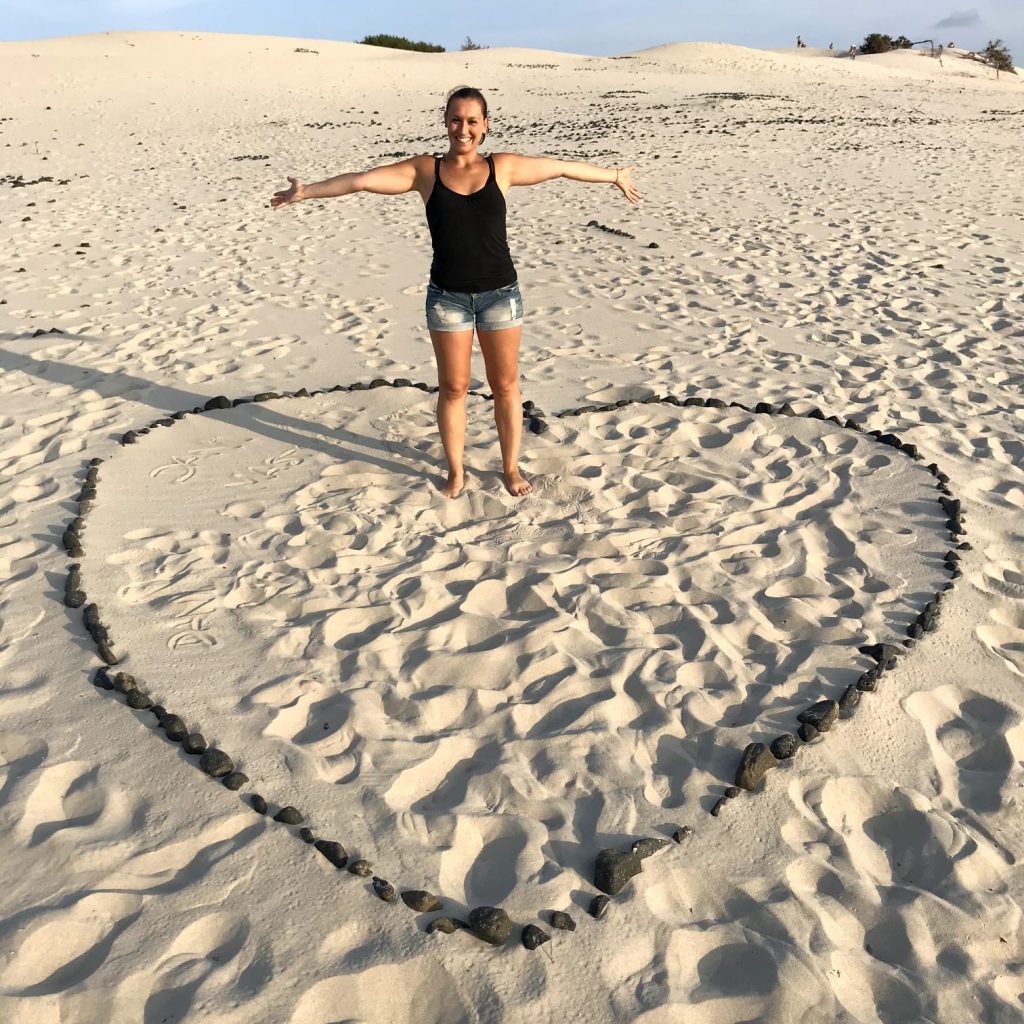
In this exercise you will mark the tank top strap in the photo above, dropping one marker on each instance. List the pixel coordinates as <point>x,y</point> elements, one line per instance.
<point>490,163</point>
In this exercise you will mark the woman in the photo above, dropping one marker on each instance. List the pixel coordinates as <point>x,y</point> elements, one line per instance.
<point>473,281</point>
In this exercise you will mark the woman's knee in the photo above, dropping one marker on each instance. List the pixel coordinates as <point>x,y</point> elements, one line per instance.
<point>504,387</point>
<point>452,390</point>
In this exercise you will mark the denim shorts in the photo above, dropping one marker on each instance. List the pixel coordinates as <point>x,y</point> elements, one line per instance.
<point>461,311</point>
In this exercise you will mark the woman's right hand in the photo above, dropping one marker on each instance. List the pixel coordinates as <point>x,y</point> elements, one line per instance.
<point>291,195</point>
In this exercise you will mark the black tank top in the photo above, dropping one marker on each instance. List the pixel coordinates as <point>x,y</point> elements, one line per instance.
<point>468,235</point>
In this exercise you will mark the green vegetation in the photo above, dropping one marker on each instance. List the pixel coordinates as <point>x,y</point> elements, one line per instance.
<point>470,45</point>
<point>878,42</point>
<point>400,43</point>
<point>996,55</point>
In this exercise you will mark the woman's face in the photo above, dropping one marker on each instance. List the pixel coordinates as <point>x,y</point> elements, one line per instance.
<point>466,125</point>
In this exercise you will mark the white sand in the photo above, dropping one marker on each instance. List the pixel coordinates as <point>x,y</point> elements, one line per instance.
<point>479,695</point>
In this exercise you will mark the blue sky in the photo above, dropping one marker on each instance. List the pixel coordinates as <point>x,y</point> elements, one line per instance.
<point>597,27</point>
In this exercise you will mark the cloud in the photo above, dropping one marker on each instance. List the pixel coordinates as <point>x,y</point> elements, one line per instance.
<point>960,19</point>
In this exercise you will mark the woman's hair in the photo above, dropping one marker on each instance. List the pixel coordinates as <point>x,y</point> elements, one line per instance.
<point>465,92</point>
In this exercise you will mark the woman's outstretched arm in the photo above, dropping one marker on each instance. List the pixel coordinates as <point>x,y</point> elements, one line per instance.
<point>391,180</point>
<point>532,170</point>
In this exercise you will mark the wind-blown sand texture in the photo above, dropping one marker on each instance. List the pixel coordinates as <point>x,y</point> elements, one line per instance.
<point>476,696</point>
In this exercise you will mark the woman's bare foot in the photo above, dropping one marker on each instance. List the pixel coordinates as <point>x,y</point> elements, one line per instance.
<point>452,489</point>
<point>515,483</point>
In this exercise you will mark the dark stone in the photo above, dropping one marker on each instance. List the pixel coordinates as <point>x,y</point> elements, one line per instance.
<point>102,679</point>
<point>693,401</point>
<point>220,402</point>
<point>882,653</point>
<point>302,393</point>
<point>491,924</point>
<point>378,382</point>
<point>159,712</point>
<point>358,386</point>
<point>785,410</point>
<point>362,868</point>
<point>537,426</point>
<point>266,396</point>
<point>107,656</point>
<point>445,925</point>
<point>714,403</point>
<point>614,869</point>
<point>717,809</point>
<point>384,890</point>
<point>289,816</point>
<point>598,906</point>
<point>764,407</point>
<point>562,921</point>
<point>645,848</point>
<point>731,792</point>
<point>533,936</point>
<point>216,763</point>
<point>815,414</point>
<point>915,631</point>
<point>850,698</point>
<point>334,852</point>
<point>401,382</point>
<point>755,761</point>
<point>527,405</point>
<point>807,732</point>
<point>138,700</point>
<point>852,425</point>
<point>194,743</point>
<point>421,901</point>
<point>259,805</point>
<point>820,715</point>
<point>785,747</point>
<point>682,833</point>
<point>235,780</point>
<point>911,450</point>
<point>175,728</point>
<point>653,245</point>
<point>306,835</point>
<point>868,682</point>
<point>129,437</point>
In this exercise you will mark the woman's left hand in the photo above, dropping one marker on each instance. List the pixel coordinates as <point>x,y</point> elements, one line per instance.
<point>622,180</point>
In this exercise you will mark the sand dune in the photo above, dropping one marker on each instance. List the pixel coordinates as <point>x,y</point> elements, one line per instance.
<point>477,696</point>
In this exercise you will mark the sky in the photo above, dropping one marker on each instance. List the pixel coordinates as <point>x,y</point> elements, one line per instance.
<point>597,27</point>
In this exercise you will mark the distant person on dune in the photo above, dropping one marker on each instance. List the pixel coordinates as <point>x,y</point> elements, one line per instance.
<point>853,52</point>
<point>473,282</point>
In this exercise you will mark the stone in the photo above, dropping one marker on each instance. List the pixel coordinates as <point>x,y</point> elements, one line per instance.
<point>785,746</point>
<point>266,396</point>
<point>107,656</point>
<point>334,852</point>
<point>378,382</point>
<point>259,805</point>
<point>124,683</point>
<point>216,763</point>
<point>138,700</point>
<point>807,732</point>
<point>645,848</point>
<point>175,728</point>
<point>491,924</point>
<point>717,809</point>
<point>421,901</point>
<point>820,715</point>
<point>850,698</point>
<point>362,868</point>
<point>445,925</point>
<point>599,906</point>
<point>614,869</point>
<point>537,426</point>
<point>562,921</point>
<point>694,401</point>
<point>755,761</point>
<point>682,833</point>
<point>401,382</point>
<point>358,386</point>
<point>220,402</point>
<point>74,595</point>
<point>533,937</point>
<point>731,792</point>
<point>785,410</point>
<point>102,679</point>
<point>194,743</point>
<point>289,816</point>
<point>882,653</point>
<point>129,437</point>
<point>764,407</point>
<point>306,835</point>
<point>868,682</point>
<point>384,890</point>
<point>235,780</point>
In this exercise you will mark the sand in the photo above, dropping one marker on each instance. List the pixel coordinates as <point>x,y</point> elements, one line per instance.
<point>478,696</point>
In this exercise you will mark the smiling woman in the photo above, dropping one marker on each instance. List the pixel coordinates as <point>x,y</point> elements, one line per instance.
<point>473,282</point>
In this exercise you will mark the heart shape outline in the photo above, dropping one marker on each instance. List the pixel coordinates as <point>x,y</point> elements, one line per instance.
<point>219,765</point>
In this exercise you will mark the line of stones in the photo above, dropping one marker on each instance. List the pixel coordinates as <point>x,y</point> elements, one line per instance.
<point>817,719</point>
<point>613,868</point>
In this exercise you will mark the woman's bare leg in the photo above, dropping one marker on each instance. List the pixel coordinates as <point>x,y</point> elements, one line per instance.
<point>501,360</point>
<point>452,350</point>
